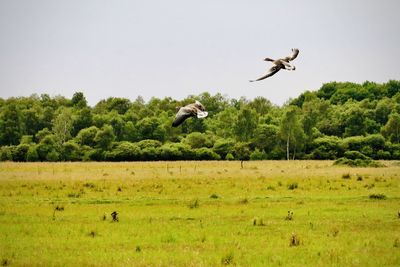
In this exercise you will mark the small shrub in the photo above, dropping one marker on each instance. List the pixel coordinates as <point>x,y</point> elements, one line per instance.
<point>227,259</point>
<point>194,204</point>
<point>358,162</point>
<point>244,201</point>
<point>92,233</point>
<point>377,196</point>
<point>294,240</point>
<point>89,185</point>
<point>74,195</point>
<point>396,243</point>
<point>5,262</point>
<point>292,186</point>
<point>59,208</point>
<point>138,249</point>
<point>229,156</point>
<point>170,238</point>
<point>335,232</point>
<point>355,155</point>
<point>346,176</point>
<point>369,186</point>
<point>270,187</point>
<point>258,222</point>
<point>289,216</point>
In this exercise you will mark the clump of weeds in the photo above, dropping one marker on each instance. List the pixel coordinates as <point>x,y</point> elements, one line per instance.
<point>215,196</point>
<point>346,176</point>
<point>289,216</point>
<point>294,240</point>
<point>258,222</point>
<point>244,201</point>
<point>194,204</point>
<point>93,234</point>
<point>227,259</point>
<point>377,196</point>
<point>293,186</point>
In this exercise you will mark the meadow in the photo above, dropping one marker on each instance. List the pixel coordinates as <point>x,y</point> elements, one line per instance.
<point>199,213</point>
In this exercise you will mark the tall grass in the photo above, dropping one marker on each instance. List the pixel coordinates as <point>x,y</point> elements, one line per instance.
<point>194,214</point>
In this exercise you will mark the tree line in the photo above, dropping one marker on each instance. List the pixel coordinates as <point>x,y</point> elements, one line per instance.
<point>339,118</point>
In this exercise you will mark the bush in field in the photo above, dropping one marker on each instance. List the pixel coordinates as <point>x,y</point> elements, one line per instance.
<point>170,151</point>
<point>86,136</point>
<point>6,153</point>
<point>223,147</point>
<point>292,186</point>
<point>206,154</point>
<point>229,156</point>
<point>242,151</point>
<point>377,196</point>
<point>71,151</point>
<point>46,146</point>
<point>124,151</point>
<point>19,152</point>
<point>53,156</point>
<point>258,155</point>
<point>32,154</point>
<point>358,162</point>
<point>327,147</point>
<point>199,140</point>
<point>176,151</point>
<point>355,155</point>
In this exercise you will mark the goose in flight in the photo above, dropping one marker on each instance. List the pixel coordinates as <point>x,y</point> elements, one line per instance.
<point>192,110</point>
<point>278,64</point>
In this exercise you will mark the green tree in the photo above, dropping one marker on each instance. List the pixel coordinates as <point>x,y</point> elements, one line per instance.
<point>62,125</point>
<point>246,123</point>
<point>198,140</point>
<point>267,137</point>
<point>86,137</point>
<point>105,137</point>
<point>223,147</point>
<point>10,125</point>
<point>151,128</point>
<point>292,131</point>
<point>242,152</point>
<point>78,100</point>
<point>83,118</point>
<point>392,128</point>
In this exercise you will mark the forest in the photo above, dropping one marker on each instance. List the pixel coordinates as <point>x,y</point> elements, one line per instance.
<point>341,119</point>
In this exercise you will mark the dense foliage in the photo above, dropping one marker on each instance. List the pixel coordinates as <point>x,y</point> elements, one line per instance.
<point>340,119</point>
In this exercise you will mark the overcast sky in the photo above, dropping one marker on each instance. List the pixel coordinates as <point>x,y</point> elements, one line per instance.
<point>180,47</point>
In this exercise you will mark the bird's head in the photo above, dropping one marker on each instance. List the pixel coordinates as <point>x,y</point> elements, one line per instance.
<point>199,105</point>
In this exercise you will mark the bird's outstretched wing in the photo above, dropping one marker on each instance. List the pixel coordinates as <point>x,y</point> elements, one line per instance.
<point>293,56</point>
<point>271,71</point>
<point>182,115</point>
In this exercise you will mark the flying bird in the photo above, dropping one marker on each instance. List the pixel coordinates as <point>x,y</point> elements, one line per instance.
<point>192,110</point>
<point>282,63</point>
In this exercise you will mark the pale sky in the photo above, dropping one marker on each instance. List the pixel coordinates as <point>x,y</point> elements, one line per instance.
<point>180,47</point>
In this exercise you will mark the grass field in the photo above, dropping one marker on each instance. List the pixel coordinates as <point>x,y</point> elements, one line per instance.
<point>199,214</point>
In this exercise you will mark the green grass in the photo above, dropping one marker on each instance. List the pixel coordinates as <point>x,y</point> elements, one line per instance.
<point>199,214</point>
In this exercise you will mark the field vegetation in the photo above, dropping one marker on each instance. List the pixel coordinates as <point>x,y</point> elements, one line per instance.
<point>192,213</point>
